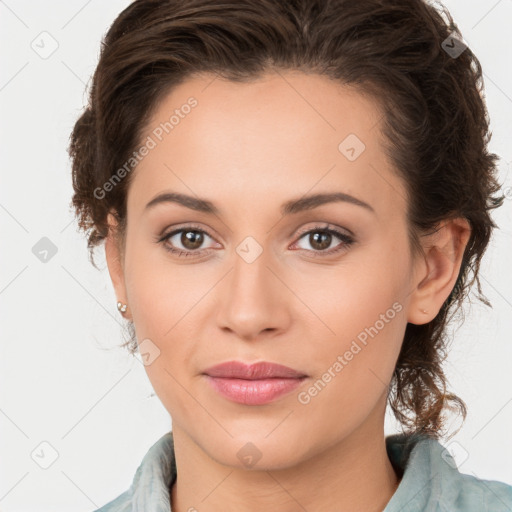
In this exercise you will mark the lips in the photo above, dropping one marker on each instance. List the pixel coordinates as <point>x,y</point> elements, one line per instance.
<point>254,384</point>
<point>262,370</point>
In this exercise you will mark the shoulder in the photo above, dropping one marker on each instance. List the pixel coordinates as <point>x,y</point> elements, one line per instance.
<point>485,495</point>
<point>432,482</point>
<point>152,481</point>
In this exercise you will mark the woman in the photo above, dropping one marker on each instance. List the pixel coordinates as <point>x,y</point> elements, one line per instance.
<point>294,198</point>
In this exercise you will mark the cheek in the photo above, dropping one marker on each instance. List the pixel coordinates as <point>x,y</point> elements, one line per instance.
<point>355,373</point>
<point>365,310</point>
<point>160,292</point>
<point>367,289</point>
<point>162,297</point>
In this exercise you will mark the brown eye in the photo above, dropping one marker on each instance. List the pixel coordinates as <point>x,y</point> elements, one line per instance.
<point>191,240</point>
<point>321,238</point>
<point>186,241</point>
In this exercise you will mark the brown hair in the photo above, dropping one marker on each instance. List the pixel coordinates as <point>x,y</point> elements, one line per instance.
<point>435,124</point>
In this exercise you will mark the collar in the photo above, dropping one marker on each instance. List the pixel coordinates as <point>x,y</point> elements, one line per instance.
<point>430,480</point>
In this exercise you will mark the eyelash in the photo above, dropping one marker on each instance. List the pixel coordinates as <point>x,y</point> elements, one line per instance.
<point>347,241</point>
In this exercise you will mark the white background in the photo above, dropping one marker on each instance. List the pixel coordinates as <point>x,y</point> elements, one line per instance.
<point>63,380</point>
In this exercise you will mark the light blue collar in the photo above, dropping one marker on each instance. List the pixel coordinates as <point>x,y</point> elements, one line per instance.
<point>431,481</point>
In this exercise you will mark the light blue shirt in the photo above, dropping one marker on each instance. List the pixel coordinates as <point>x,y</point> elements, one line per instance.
<point>431,481</point>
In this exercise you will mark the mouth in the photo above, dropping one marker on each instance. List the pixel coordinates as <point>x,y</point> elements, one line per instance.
<point>253,384</point>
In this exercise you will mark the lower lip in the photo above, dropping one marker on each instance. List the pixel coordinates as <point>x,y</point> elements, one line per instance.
<point>253,392</point>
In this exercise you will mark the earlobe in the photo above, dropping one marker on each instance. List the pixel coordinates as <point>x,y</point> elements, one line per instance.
<point>115,266</point>
<point>439,269</point>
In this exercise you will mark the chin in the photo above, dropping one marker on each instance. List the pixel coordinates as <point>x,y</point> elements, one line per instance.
<point>257,453</point>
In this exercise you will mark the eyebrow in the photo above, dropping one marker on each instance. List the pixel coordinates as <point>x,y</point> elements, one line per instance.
<point>288,208</point>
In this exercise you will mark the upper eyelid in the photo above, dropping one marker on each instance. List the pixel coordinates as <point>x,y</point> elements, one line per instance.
<point>179,229</point>
<point>326,226</point>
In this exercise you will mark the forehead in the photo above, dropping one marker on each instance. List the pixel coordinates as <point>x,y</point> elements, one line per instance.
<point>280,136</point>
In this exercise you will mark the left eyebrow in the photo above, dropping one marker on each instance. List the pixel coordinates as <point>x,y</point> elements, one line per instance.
<point>288,208</point>
<point>200,205</point>
<point>315,200</point>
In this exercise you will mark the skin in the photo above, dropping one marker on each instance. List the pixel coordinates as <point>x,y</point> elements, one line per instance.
<point>248,148</point>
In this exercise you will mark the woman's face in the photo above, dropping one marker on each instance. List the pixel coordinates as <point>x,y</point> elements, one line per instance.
<point>259,281</point>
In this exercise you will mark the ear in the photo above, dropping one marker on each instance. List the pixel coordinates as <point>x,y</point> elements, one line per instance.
<point>114,259</point>
<point>438,269</point>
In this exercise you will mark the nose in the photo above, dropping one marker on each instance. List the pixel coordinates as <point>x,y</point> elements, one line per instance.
<point>253,300</point>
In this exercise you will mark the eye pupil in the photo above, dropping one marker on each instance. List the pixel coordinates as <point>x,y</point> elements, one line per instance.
<point>320,235</point>
<point>191,236</point>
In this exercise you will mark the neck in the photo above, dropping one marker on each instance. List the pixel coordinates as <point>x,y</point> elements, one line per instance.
<point>354,474</point>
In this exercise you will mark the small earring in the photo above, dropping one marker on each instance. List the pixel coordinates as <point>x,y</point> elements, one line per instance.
<point>121,307</point>
<point>424,311</point>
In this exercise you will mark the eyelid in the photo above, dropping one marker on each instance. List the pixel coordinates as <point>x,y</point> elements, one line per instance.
<point>325,226</point>
<point>179,227</point>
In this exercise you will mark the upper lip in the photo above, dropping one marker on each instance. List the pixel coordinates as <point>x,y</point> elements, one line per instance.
<point>261,370</point>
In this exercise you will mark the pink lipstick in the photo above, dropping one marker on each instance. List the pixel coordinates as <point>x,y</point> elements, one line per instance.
<point>253,384</point>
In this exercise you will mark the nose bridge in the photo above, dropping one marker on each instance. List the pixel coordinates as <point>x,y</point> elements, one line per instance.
<point>251,302</point>
<point>250,274</point>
